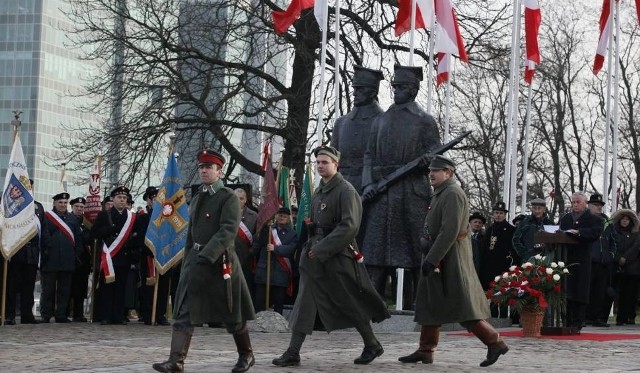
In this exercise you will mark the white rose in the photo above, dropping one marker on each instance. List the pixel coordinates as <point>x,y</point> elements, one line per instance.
<point>512,268</point>
<point>496,279</point>
<point>549,271</point>
<point>565,271</point>
<point>505,275</point>
<point>527,265</point>
<point>554,265</point>
<point>560,264</point>
<point>556,277</point>
<point>538,256</point>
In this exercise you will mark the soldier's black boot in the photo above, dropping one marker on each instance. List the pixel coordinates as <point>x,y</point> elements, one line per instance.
<point>180,341</point>
<point>245,352</point>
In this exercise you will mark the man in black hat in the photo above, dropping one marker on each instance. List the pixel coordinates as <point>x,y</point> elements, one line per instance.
<point>449,290</point>
<point>523,242</point>
<point>59,263</point>
<point>281,242</point>
<point>496,252</point>
<point>22,273</point>
<point>212,286</point>
<point>119,235</point>
<point>83,263</point>
<point>394,219</point>
<point>476,224</point>
<point>351,131</point>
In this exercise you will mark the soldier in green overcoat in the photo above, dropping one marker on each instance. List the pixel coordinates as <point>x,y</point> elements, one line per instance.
<point>333,282</point>
<point>212,287</point>
<point>449,290</point>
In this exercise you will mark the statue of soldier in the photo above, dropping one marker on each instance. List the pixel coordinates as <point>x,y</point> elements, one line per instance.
<point>351,131</point>
<point>392,230</point>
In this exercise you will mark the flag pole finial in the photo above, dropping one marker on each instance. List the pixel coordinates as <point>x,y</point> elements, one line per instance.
<point>16,123</point>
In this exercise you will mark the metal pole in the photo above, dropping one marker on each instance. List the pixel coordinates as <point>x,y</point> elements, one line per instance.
<point>412,32</point>
<point>432,47</point>
<point>525,153</point>
<point>608,120</point>
<point>336,72</point>
<point>616,113</point>
<point>514,121</point>
<point>399,288</point>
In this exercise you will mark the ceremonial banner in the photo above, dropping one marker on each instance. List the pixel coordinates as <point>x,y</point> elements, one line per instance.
<point>167,231</point>
<point>20,223</point>
<point>269,204</point>
<point>283,20</point>
<point>304,209</point>
<point>94,203</point>
<point>532,20</point>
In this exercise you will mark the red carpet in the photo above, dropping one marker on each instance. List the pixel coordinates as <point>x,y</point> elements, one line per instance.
<point>598,337</point>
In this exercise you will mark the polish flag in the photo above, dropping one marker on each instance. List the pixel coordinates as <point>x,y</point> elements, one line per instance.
<point>424,15</point>
<point>532,19</point>
<point>283,20</point>
<point>606,22</point>
<point>448,39</point>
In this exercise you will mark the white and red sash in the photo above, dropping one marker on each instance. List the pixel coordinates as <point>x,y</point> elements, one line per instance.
<point>245,234</point>
<point>61,225</point>
<point>112,250</point>
<point>283,261</point>
<point>151,271</point>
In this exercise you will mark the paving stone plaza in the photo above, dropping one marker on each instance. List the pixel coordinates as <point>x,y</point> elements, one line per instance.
<point>77,347</point>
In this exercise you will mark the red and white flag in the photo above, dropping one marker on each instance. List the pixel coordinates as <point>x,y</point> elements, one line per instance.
<point>283,20</point>
<point>532,20</point>
<point>424,15</point>
<point>448,39</point>
<point>638,10</point>
<point>606,23</point>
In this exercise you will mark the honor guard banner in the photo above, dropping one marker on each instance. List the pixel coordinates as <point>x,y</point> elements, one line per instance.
<point>19,221</point>
<point>167,232</point>
<point>304,209</point>
<point>94,202</point>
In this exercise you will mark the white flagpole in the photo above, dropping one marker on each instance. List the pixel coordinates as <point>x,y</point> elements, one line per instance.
<point>323,64</point>
<point>512,72</point>
<point>616,114</point>
<point>515,117</point>
<point>608,119</point>
<point>447,109</point>
<point>432,47</point>
<point>412,32</point>
<point>525,153</point>
<point>336,72</point>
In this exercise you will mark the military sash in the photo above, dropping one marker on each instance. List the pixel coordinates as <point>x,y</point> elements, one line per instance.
<point>108,252</point>
<point>283,261</point>
<point>61,225</point>
<point>245,234</point>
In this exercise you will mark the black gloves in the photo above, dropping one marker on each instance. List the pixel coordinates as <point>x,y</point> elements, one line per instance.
<point>427,268</point>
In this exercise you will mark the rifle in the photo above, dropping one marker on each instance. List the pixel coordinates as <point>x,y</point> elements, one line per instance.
<point>384,183</point>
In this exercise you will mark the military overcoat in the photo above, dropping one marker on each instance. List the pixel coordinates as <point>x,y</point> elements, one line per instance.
<point>214,218</point>
<point>395,218</point>
<point>334,285</point>
<point>454,293</point>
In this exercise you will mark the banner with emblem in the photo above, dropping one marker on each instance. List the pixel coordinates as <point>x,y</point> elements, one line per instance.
<point>94,203</point>
<point>167,232</point>
<point>19,223</point>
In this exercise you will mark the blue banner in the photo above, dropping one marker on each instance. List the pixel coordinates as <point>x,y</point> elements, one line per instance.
<point>167,232</point>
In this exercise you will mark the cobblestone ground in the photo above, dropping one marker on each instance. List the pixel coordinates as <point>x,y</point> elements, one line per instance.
<point>134,347</point>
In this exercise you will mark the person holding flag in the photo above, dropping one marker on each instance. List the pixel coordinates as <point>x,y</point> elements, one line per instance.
<point>212,286</point>
<point>281,242</point>
<point>83,263</point>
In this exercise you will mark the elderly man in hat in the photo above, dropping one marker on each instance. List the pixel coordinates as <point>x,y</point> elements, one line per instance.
<point>523,242</point>
<point>333,283</point>
<point>119,235</point>
<point>476,224</point>
<point>211,287</point>
<point>83,263</point>
<point>59,263</point>
<point>496,252</point>
<point>281,240</point>
<point>449,290</point>
<point>394,219</point>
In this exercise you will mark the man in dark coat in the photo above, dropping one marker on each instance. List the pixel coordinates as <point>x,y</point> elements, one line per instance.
<point>476,223</point>
<point>80,278</point>
<point>394,219</point>
<point>523,243</point>
<point>585,227</point>
<point>449,290</point>
<point>119,234</point>
<point>245,239</point>
<point>496,252</point>
<point>59,262</point>
<point>212,286</point>
<point>333,284</point>
<point>284,241</point>
<point>22,273</point>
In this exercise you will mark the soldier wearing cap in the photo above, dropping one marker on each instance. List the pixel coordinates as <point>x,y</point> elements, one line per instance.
<point>212,286</point>
<point>119,235</point>
<point>523,242</point>
<point>107,203</point>
<point>59,263</point>
<point>476,224</point>
<point>351,131</point>
<point>393,219</point>
<point>333,285</point>
<point>83,263</point>
<point>497,253</point>
<point>22,273</point>
<point>449,290</point>
<point>284,241</point>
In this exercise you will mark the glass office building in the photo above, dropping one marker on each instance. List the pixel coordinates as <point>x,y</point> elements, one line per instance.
<point>38,72</point>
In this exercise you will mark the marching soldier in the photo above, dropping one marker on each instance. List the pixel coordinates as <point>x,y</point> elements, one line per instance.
<point>83,263</point>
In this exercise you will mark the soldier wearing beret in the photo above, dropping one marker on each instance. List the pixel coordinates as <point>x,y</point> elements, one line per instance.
<point>394,219</point>
<point>59,263</point>
<point>333,285</point>
<point>212,286</point>
<point>83,263</point>
<point>449,290</point>
<point>119,234</point>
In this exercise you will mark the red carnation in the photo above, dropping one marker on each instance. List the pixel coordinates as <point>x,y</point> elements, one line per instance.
<point>535,280</point>
<point>512,302</point>
<point>556,289</point>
